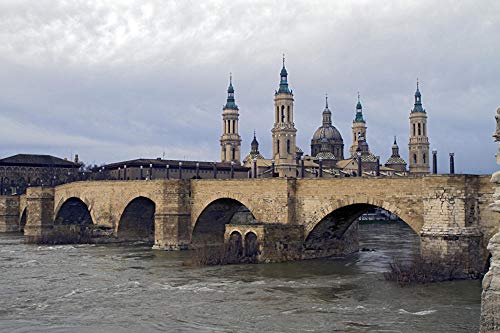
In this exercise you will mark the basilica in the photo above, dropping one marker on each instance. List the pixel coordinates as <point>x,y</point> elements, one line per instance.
<point>327,156</point>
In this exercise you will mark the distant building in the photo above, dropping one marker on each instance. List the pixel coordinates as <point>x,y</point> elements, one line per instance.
<point>147,169</point>
<point>20,171</point>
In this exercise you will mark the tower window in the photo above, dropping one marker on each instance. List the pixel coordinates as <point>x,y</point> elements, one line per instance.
<point>234,154</point>
<point>414,131</point>
<point>288,146</point>
<point>415,158</point>
<point>419,130</point>
<point>282,113</point>
<point>277,113</point>
<point>423,158</point>
<point>423,128</point>
<point>278,146</point>
<point>288,113</point>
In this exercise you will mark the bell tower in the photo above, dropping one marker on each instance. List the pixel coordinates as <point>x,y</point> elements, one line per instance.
<point>230,140</point>
<point>284,132</point>
<point>419,142</point>
<point>358,127</point>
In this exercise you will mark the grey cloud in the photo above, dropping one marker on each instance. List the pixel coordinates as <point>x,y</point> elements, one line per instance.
<point>119,80</point>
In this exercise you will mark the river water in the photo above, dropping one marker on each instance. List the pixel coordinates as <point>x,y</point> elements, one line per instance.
<point>130,288</point>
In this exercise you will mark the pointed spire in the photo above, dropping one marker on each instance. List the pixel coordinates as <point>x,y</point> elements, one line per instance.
<point>395,148</point>
<point>284,80</point>
<point>254,145</point>
<point>359,112</point>
<point>418,100</point>
<point>327,114</point>
<point>230,103</point>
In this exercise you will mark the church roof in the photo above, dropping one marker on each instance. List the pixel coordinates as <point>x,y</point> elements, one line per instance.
<point>329,132</point>
<point>395,160</point>
<point>37,160</point>
<point>325,156</point>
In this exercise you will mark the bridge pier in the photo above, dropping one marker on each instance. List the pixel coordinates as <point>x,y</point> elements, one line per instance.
<point>9,213</point>
<point>172,231</point>
<point>451,234</point>
<point>40,218</point>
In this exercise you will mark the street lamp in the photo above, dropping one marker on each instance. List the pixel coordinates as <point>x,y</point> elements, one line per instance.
<point>125,172</point>
<point>360,170</point>
<point>232,169</point>
<point>168,171</point>
<point>141,172</point>
<point>255,167</point>
<point>197,170</point>
<point>150,171</point>
<point>180,170</point>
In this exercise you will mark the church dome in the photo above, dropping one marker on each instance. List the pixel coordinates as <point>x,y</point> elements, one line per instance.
<point>328,132</point>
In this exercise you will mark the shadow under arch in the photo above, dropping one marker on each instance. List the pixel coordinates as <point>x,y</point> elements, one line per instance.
<point>137,221</point>
<point>73,211</point>
<point>336,233</point>
<point>210,226</point>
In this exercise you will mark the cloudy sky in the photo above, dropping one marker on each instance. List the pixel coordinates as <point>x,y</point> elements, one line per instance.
<point>113,80</point>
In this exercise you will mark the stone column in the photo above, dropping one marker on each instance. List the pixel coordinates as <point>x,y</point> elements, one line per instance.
<point>9,213</point>
<point>40,214</point>
<point>490,299</point>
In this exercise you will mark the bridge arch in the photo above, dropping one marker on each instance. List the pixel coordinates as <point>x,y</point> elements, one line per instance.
<point>334,234</point>
<point>137,220</point>
<point>73,211</point>
<point>210,224</point>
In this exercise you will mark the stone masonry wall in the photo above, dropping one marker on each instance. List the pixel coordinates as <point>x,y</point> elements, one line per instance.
<point>9,213</point>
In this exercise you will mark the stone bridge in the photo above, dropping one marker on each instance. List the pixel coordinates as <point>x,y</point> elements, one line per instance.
<point>290,218</point>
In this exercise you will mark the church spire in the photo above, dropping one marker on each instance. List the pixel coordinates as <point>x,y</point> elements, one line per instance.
<point>327,114</point>
<point>284,80</point>
<point>359,112</point>
<point>230,103</point>
<point>418,101</point>
<point>395,148</point>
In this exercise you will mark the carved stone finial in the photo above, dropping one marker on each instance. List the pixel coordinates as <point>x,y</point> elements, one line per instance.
<point>497,132</point>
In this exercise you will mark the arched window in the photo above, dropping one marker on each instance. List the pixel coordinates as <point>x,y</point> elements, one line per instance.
<point>234,153</point>
<point>282,113</point>
<point>424,158</point>
<point>278,146</point>
<point>414,131</point>
<point>419,129</point>
<point>288,113</point>
<point>415,158</point>
<point>288,146</point>
<point>277,113</point>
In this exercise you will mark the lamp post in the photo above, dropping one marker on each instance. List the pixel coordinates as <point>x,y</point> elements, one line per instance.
<point>434,162</point>
<point>150,171</point>
<point>377,170</point>
<point>197,170</point>
<point>320,167</point>
<point>452,163</point>
<point>141,172</point>
<point>360,169</point>
<point>168,171</point>
<point>119,173</point>
<point>232,169</point>
<point>180,170</point>
<point>255,167</point>
<point>125,172</point>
